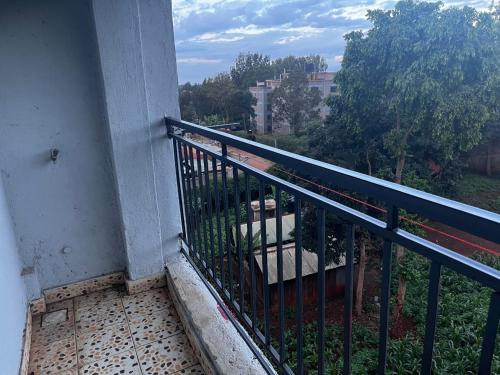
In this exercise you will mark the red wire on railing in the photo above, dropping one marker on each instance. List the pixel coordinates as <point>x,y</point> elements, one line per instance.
<point>380,209</point>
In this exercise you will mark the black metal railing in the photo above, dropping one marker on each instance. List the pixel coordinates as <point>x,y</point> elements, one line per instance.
<point>213,212</point>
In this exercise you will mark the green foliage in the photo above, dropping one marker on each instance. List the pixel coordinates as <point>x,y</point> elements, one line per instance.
<point>226,97</point>
<point>480,191</point>
<point>463,310</point>
<point>419,86</point>
<point>299,64</point>
<point>364,360</point>
<point>216,99</point>
<point>295,103</point>
<point>334,233</point>
<point>249,67</point>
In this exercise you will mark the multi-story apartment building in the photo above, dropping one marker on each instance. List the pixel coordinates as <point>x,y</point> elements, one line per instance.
<point>322,81</point>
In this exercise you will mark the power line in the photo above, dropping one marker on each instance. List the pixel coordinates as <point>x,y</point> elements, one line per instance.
<point>404,218</point>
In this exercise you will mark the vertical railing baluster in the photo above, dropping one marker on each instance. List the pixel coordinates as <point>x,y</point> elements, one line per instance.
<point>251,258</point>
<point>432,316</point>
<point>210,216</point>
<point>321,291</point>
<point>349,275</point>
<point>298,286</point>
<point>237,213</point>
<point>392,223</point>
<point>279,266</point>
<point>192,237</point>
<point>179,191</point>
<point>490,335</point>
<point>182,167</point>
<point>218,222</point>
<point>195,202</point>
<point>195,198</point>
<point>227,227</point>
<point>203,227</point>
<point>265,268</point>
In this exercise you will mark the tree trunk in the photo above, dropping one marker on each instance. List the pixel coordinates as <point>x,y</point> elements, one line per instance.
<point>400,251</point>
<point>361,278</point>
<point>368,162</point>
<point>400,163</point>
<point>488,159</point>
<point>401,293</point>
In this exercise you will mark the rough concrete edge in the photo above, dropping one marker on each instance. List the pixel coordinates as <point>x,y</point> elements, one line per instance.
<point>80,288</point>
<point>37,306</point>
<point>194,340</point>
<point>216,342</point>
<point>25,358</point>
<point>144,284</point>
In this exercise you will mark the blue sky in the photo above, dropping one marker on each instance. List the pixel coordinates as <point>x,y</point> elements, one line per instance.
<point>209,34</point>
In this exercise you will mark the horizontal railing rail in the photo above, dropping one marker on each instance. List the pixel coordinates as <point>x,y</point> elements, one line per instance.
<point>431,206</point>
<point>211,230</point>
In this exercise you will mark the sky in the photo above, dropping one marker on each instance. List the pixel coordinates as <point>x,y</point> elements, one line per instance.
<point>209,34</point>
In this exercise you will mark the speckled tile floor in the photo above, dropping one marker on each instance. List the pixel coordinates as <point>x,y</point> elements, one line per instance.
<point>111,333</point>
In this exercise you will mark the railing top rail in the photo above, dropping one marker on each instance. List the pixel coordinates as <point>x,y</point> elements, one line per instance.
<point>470,219</point>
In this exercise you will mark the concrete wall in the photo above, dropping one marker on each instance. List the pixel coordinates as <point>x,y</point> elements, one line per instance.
<point>65,213</point>
<point>137,54</point>
<point>12,292</point>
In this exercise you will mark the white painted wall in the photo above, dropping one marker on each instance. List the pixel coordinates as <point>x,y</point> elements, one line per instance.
<point>94,80</point>
<point>51,96</point>
<point>13,294</point>
<point>137,52</point>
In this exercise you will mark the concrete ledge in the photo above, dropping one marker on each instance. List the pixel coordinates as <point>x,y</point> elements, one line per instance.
<point>217,343</point>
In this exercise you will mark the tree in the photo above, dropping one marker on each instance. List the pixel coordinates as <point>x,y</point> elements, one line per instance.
<point>216,98</point>
<point>249,68</point>
<point>294,103</point>
<point>416,88</point>
<point>299,64</point>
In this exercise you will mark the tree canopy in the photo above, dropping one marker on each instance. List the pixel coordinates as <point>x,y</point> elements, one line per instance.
<point>416,86</point>
<point>226,98</point>
<point>216,100</point>
<point>294,103</point>
<point>249,67</point>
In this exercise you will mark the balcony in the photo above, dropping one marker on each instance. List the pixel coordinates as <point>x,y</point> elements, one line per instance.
<point>133,242</point>
<point>253,277</point>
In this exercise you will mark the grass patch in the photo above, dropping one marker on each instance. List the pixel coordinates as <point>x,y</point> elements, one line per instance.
<point>480,191</point>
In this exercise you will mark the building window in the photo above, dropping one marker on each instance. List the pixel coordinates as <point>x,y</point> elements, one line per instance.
<point>269,107</point>
<point>269,117</point>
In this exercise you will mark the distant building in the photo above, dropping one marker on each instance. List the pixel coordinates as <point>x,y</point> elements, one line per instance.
<point>322,81</point>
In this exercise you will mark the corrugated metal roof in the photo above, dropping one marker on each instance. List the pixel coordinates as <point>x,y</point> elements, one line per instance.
<point>309,263</point>
<point>288,225</point>
<point>309,259</point>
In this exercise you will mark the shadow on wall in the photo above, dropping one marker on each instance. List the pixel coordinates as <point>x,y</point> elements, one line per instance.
<point>12,289</point>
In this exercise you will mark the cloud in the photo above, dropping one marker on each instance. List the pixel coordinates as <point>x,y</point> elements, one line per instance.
<point>215,38</point>
<point>198,60</point>
<point>218,30</point>
<point>338,58</point>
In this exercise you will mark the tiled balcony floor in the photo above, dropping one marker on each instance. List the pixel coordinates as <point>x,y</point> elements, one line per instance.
<point>109,333</point>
